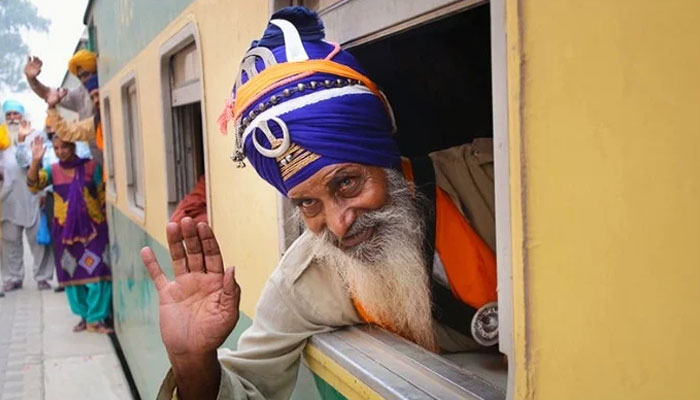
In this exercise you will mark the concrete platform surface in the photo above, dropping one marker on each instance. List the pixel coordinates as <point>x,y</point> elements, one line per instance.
<point>41,358</point>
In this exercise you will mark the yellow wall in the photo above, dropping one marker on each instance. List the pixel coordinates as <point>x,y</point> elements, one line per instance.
<point>608,123</point>
<point>244,211</point>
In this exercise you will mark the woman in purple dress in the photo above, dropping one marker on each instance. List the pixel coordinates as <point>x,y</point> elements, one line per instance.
<point>79,231</point>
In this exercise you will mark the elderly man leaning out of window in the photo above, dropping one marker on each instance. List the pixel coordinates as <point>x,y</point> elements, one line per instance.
<point>387,240</point>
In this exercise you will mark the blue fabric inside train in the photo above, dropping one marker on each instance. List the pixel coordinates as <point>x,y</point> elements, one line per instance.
<point>353,127</point>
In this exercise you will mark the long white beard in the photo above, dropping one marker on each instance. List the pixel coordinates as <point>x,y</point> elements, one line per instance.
<point>13,130</point>
<point>387,274</point>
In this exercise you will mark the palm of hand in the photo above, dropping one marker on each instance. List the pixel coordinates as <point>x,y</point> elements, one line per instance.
<point>193,316</point>
<point>24,130</point>
<point>38,149</point>
<point>32,69</point>
<point>53,98</point>
<point>199,309</point>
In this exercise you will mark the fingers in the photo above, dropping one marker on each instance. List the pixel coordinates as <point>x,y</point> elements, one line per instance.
<point>151,263</point>
<point>212,255</point>
<point>177,250</point>
<point>231,288</point>
<point>195,257</point>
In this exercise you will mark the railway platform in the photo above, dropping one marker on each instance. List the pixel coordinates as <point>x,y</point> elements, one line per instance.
<point>41,358</point>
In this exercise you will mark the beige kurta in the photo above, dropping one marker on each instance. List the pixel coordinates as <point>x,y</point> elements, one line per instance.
<point>302,298</point>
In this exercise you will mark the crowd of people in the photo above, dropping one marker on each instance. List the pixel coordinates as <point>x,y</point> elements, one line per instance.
<point>53,194</point>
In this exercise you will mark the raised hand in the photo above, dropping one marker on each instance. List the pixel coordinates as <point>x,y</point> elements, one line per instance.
<point>38,149</point>
<point>25,128</point>
<point>199,309</point>
<point>33,67</point>
<point>55,96</point>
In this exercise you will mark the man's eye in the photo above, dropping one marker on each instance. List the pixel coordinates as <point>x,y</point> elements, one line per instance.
<point>348,186</point>
<point>307,203</point>
<point>309,207</point>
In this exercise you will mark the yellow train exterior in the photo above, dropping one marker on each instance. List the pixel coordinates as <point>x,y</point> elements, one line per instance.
<point>596,134</point>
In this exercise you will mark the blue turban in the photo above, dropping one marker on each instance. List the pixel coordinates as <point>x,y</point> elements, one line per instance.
<point>12,105</point>
<point>91,83</point>
<point>310,121</point>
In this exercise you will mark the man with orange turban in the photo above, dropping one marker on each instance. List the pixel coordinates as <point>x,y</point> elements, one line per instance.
<point>83,65</point>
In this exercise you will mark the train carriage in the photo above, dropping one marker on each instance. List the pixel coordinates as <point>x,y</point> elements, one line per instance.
<point>596,182</point>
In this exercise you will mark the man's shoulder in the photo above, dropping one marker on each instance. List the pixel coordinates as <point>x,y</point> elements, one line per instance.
<point>295,261</point>
<point>314,287</point>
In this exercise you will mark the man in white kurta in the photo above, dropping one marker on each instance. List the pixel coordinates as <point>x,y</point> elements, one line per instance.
<point>20,212</point>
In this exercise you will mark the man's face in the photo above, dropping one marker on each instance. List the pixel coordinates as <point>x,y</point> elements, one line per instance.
<point>13,118</point>
<point>368,225</point>
<point>84,74</point>
<point>336,196</point>
<point>64,150</point>
<point>95,97</point>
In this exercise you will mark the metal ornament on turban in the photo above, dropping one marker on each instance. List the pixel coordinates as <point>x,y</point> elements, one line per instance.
<point>301,103</point>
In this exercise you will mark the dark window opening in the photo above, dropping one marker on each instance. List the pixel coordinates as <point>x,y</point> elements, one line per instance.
<point>438,80</point>
<point>437,77</point>
<point>188,149</point>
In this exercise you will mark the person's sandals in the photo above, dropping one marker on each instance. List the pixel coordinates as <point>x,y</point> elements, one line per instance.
<point>82,325</point>
<point>99,327</point>
<point>43,285</point>
<point>10,286</point>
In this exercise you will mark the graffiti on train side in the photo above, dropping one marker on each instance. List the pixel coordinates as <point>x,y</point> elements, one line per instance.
<point>134,295</point>
<point>126,13</point>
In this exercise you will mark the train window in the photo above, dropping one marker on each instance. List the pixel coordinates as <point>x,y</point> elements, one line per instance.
<point>184,130</point>
<point>109,154</point>
<point>92,37</point>
<point>433,60</point>
<point>451,87</point>
<point>134,153</point>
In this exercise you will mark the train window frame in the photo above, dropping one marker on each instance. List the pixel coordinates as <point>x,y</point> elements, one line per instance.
<point>111,186</point>
<point>191,93</point>
<point>135,173</point>
<point>382,26</point>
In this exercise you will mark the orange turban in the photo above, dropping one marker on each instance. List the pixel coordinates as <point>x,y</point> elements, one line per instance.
<point>84,59</point>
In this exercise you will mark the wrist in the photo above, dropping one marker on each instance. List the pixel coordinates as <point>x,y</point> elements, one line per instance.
<point>193,361</point>
<point>197,376</point>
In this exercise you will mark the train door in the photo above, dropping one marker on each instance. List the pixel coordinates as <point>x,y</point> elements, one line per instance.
<point>433,59</point>
<point>184,130</point>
